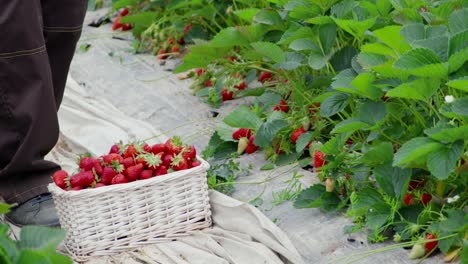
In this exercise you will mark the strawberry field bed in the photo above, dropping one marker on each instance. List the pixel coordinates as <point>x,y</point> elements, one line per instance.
<point>370,94</point>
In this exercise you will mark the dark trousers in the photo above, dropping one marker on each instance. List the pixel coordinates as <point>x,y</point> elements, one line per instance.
<point>37,42</point>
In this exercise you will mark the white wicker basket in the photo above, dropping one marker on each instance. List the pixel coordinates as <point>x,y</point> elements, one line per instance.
<point>119,217</point>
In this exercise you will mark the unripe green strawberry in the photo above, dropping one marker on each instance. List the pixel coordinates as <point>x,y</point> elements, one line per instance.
<point>417,251</point>
<point>329,184</point>
<point>242,145</point>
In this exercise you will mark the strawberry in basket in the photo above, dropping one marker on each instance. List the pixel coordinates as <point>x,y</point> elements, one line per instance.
<point>128,163</point>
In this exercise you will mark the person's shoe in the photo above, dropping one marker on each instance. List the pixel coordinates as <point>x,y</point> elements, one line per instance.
<point>39,210</point>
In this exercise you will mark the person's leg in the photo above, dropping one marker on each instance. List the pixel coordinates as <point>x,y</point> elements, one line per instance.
<point>63,20</point>
<point>28,100</point>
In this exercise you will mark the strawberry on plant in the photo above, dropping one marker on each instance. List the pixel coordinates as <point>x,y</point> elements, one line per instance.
<point>199,71</point>
<point>408,199</point>
<point>226,95</point>
<point>296,134</point>
<point>241,132</point>
<point>264,76</point>
<point>329,184</point>
<point>319,159</point>
<point>426,198</point>
<point>162,54</point>
<point>283,106</point>
<point>429,246</point>
<point>181,41</point>
<point>133,173</point>
<point>116,25</point>
<point>124,12</point>
<point>126,27</point>
<point>242,145</point>
<point>160,171</point>
<point>241,86</point>
<point>417,251</point>
<point>60,178</point>
<point>251,147</point>
<point>208,83</point>
<point>170,40</point>
<point>119,179</point>
<point>187,28</point>
<point>146,174</point>
<point>108,174</point>
<point>175,49</point>
<point>314,108</point>
<point>179,163</point>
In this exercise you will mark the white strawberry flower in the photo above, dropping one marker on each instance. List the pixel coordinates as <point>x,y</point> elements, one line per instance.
<point>453,199</point>
<point>449,99</point>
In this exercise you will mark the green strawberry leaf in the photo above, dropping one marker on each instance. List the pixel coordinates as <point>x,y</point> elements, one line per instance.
<point>303,140</point>
<point>310,197</point>
<point>269,50</point>
<point>243,117</point>
<point>420,89</point>
<point>415,150</point>
<point>393,180</point>
<point>335,103</point>
<point>443,161</point>
<point>460,84</point>
<point>378,155</point>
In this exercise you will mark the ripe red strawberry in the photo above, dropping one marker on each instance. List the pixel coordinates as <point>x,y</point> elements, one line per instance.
<point>241,86</point>
<point>60,178</point>
<point>296,134</point>
<point>141,160</point>
<point>408,199</point>
<point>97,166</point>
<point>241,132</point>
<point>114,149</point>
<point>242,145</point>
<point>160,171</point>
<point>283,106</point>
<point>179,163</point>
<point>199,71</point>
<point>147,148</point>
<point>124,12</point>
<point>226,95</point>
<point>99,185</point>
<point>162,54</point>
<point>119,179</point>
<point>314,108</point>
<point>126,27</point>
<point>189,152</point>
<point>157,148</point>
<point>429,246</point>
<point>415,184</point>
<point>77,188</point>
<point>86,163</point>
<point>131,151</point>
<point>208,83</point>
<point>187,28</point>
<point>111,157</point>
<point>146,174</point>
<point>173,145</point>
<point>251,147</point>
<point>181,41</point>
<point>195,163</point>
<point>175,49</point>
<point>319,159</point>
<point>426,198</point>
<point>264,76</point>
<point>128,162</point>
<point>133,173</point>
<point>232,58</point>
<point>108,174</point>
<point>116,25</point>
<point>153,161</point>
<point>82,179</point>
<point>170,40</point>
<point>167,160</point>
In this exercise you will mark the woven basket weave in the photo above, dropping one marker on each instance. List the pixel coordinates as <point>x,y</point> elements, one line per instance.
<point>114,218</point>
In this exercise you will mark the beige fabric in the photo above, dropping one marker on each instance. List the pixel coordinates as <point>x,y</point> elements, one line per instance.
<point>241,233</point>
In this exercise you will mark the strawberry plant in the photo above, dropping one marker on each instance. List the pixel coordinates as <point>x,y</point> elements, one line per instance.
<point>36,244</point>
